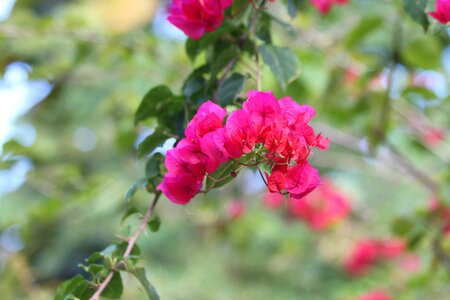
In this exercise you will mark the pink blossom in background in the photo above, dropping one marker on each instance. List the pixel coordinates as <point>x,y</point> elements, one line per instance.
<point>324,6</point>
<point>235,209</point>
<point>366,253</point>
<point>442,12</point>
<point>375,295</point>
<point>410,263</point>
<point>195,17</point>
<point>322,208</point>
<point>432,137</point>
<point>279,127</point>
<point>273,200</point>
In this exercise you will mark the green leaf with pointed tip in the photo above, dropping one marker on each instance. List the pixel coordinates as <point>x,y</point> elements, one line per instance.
<point>416,10</point>
<point>230,88</point>
<point>283,63</point>
<point>133,189</point>
<point>130,211</point>
<point>149,288</point>
<point>114,289</point>
<point>74,288</point>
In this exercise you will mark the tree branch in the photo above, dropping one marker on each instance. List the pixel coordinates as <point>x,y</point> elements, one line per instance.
<point>131,243</point>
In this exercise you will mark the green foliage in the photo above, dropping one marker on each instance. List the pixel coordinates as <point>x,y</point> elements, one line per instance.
<point>416,10</point>
<point>139,273</point>
<point>282,62</point>
<point>231,87</point>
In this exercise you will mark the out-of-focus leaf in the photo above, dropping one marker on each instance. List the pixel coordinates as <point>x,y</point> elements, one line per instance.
<point>362,30</point>
<point>153,102</point>
<point>153,166</point>
<point>133,189</point>
<point>294,6</point>
<point>225,57</point>
<point>423,52</point>
<point>76,287</point>
<point>130,211</point>
<point>149,289</point>
<point>282,62</point>
<point>416,10</point>
<point>402,226</point>
<point>230,88</point>
<point>114,289</point>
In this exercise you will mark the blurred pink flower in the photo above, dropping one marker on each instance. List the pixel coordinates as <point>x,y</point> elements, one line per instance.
<point>375,295</point>
<point>442,13</point>
<point>235,209</point>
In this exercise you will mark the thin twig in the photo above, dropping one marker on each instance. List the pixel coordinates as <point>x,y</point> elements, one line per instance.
<point>131,243</point>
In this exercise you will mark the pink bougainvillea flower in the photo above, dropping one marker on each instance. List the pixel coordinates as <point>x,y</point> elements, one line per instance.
<point>208,118</point>
<point>302,179</point>
<point>278,129</point>
<point>391,248</point>
<point>276,182</point>
<point>442,13</point>
<point>263,109</point>
<point>180,188</point>
<point>195,17</point>
<point>324,6</point>
<point>236,209</point>
<point>322,208</point>
<point>375,295</point>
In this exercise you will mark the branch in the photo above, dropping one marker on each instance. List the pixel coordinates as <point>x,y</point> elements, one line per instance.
<point>131,243</point>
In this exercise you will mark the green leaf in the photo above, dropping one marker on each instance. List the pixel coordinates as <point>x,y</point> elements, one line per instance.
<point>362,30</point>
<point>222,60</point>
<point>154,224</point>
<point>149,289</point>
<point>114,289</point>
<point>282,62</point>
<point>423,52</point>
<point>154,140</point>
<point>294,6</point>
<point>266,168</point>
<point>74,288</point>
<point>133,189</point>
<point>153,166</point>
<point>130,211</point>
<point>223,171</point>
<point>192,48</point>
<point>402,226</point>
<point>230,88</point>
<point>416,10</point>
<point>153,102</point>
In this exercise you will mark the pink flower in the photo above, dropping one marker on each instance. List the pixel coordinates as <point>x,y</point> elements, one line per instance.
<point>276,182</point>
<point>442,13</point>
<point>241,131</point>
<point>301,179</point>
<point>180,188</point>
<point>208,118</point>
<point>324,6</point>
<point>236,209</point>
<point>375,295</point>
<point>195,17</point>
<point>263,109</point>
<point>322,208</point>
<point>178,164</point>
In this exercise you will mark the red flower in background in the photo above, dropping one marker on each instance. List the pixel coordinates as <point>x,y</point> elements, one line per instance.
<point>324,6</point>
<point>368,252</point>
<point>195,17</point>
<point>375,295</point>
<point>442,13</point>
<point>322,208</point>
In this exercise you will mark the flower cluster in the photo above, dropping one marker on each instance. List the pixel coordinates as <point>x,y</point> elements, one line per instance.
<point>195,17</point>
<point>442,13</point>
<point>368,252</point>
<point>324,6</point>
<point>268,131</point>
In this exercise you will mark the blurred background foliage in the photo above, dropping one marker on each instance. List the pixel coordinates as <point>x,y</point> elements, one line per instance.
<point>379,83</point>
